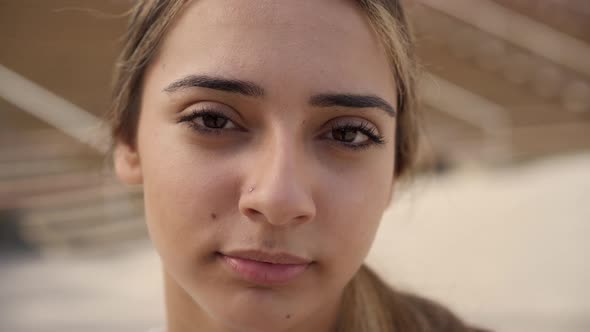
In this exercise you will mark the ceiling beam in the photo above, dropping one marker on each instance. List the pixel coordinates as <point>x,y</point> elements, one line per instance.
<point>464,105</point>
<point>53,109</point>
<point>520,30</point>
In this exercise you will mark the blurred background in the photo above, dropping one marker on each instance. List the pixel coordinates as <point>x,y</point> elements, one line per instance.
<point>495,225</point>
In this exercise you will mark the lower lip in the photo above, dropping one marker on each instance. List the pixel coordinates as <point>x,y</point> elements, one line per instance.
<point>264,273</point>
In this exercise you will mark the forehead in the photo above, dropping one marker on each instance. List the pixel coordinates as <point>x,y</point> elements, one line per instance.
<point>302,45</point>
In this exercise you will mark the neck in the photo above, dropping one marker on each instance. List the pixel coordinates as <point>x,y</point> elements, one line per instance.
<point>183,314</point>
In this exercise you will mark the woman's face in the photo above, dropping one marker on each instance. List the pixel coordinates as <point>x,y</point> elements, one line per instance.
<point>266,149</point>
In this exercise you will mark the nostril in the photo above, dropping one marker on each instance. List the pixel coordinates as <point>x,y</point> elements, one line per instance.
<point>302,218</point>
<point>252,212</point>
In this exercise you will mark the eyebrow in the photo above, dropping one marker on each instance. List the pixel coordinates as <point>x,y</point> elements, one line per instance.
<point>245,88</point>
<point>252,89</point>
<point>352,100</point>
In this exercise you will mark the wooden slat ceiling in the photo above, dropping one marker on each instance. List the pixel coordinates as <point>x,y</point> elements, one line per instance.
<point>548,105</point>
<point>69,47</point>
<point>568,16</point>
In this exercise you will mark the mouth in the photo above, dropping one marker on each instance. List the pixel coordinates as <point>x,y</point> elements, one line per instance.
<point>263,268</point>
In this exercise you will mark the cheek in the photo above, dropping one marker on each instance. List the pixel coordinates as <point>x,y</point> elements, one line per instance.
<point>353,204</point>
<point>187,194</point>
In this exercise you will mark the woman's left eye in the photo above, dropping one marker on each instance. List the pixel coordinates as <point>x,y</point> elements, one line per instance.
<point>349,136</point>
<point>355,136</point>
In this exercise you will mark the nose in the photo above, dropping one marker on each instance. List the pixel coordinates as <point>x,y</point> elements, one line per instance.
<point>277,189</point>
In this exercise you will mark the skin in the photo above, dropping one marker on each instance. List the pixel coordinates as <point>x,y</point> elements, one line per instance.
<point>313,196</point>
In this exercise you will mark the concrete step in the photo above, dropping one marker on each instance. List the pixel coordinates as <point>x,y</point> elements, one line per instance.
<point>15,190</point>
<point>38,151</point>
<point>70,211</point>
<point>63,195</point>
<point>82,219</point>
<point>111,233</point>
<point>106,192</point>
<point>28,169</point>
<point>87,216</point>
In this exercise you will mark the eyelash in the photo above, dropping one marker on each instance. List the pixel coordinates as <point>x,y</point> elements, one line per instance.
<point>364,128</point>
<point>189,119</point>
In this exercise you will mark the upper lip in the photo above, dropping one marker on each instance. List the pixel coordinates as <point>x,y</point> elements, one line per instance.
<point>267,257</point>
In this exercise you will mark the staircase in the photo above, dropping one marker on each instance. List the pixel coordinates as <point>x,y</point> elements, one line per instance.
<point>58,196</point>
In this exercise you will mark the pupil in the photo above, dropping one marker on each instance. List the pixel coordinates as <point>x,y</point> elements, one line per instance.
<point>212,121</point>
<point>344,135</point>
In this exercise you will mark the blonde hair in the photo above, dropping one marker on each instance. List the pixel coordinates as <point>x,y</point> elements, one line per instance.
<point>369,304</point>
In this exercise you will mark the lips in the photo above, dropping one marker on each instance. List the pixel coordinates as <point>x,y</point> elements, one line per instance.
<point>263,268</point>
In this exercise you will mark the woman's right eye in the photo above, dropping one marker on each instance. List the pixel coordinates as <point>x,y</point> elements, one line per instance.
<point>208,121</point>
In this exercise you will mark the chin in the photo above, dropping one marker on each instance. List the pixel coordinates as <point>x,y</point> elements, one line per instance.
<point>256,309</point>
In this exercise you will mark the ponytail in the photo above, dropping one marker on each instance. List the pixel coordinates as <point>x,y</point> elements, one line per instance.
<point>370,305</point>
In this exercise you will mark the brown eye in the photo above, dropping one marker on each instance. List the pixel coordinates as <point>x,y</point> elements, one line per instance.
<point>209,121</point>
<point>345,135</point>
<point>354,135</point>
<point>214,121</point>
